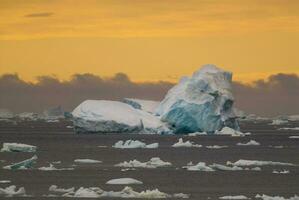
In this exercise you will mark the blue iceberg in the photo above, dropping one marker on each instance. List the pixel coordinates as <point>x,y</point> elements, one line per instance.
<point>201,103</point>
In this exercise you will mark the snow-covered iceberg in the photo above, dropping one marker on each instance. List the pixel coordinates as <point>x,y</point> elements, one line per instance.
<point>103,116</point>
<point>202,102</point>
<point>146,105</point>
<point>17,147</point>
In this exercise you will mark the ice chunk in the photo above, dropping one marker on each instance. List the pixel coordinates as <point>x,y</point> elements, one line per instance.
<point>216,146</point>
<point>12,191</point>
<point>201,166</point>
<point>5,181</point>
<point>132,144</point>
<point>54,189</point>
<point>281,172</point>
<point>278,122</point>
<point>92,192</point>
<point>293,129</point>
<point>294,137</point>
<point>225,168</point>
<point>17,147</point>
<point>152,163</point>
<point>231,132</point>
<point>146,105</point>
<point>52,168</point>
<point>250,143</point>
<point>245,163</point>
<point>234,197</point>
<point>181,143</point>
<point>266,197</point>
<point>114,117</point>
<point>6,114</point>
<point>203,102</point>
<point>22,165</point>
<point>90,161</point>
<point>123,181</point>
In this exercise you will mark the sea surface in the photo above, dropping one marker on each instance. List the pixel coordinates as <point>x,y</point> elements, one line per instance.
<point>58,142</point>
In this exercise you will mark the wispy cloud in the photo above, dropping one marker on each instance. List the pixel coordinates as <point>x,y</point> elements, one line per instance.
<point>41,14</point>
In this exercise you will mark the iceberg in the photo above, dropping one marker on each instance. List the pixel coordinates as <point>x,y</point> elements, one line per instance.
<point>22,165</point>
<point>101,116</point>
<point>17,147</point>
<point>200,103</point>
<point>146,105</point>
<point>133,144</point>
<point>123,181</point>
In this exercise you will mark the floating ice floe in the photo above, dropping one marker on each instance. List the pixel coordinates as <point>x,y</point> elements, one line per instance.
<point>216,146</point>
<point>133,144</point>
<point>181,143</point>
<point>89,161</point>
<point>281,172</point>
<point>115,117</point>
<point>201,166</point>
<point>292,129</point>
<point>152,163</point>
<point>294,137</point>
<point>235,197</point>
<point>17,147</point>
<point>266,197</point>
<point>123,181</point>
<point>250,143</point>
<point>28,116</point>
<point>5,181</point>
<point>146,105</point>
<point>96,192</point>
<point>197,134</point>
<point>293,117</point>
<point>26,164</point>
<point>278,122</point>
<point>246,163</point>
<point>12,191</point>
<point>53,168</point>
<point>231,132</point>
<point>202,102</point>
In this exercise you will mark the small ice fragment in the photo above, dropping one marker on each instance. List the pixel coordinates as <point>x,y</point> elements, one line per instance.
<point>52,168</point>
<point>152,163</point>
<point>201,166</point>
<point>281,172</point>
<point>123,181</point>
<point>12,191</point>
<point>5,181</point>
<point>234,197</point>
<point>216,147</point>
<point>294,137</point>
<point>132,144</point>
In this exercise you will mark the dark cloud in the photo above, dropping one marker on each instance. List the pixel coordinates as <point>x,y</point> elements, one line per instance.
<point>277,95</point>
<point>42,14</point>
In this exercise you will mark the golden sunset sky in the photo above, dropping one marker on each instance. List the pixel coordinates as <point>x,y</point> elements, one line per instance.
<point>149,40</point>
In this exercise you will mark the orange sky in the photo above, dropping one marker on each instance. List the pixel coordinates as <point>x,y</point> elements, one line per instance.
<point>148,39</point>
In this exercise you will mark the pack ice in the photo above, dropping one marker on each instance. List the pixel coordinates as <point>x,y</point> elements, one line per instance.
<point>202,102</point>
<point>114,117</point>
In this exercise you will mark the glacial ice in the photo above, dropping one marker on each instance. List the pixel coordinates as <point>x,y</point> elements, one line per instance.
<point>152,163</point>
<point>114,117</point>
<point>250,143</point>
<point>17,147</point>
<point>26,164</point>
<point>12,191</point>
<point>123,181</point>
<point>133,144</point>
<point>203,102</point>
<point>146,105</point>
<point>181,143</point>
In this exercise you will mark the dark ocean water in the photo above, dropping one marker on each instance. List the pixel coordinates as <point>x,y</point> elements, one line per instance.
<point>56,142</point>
